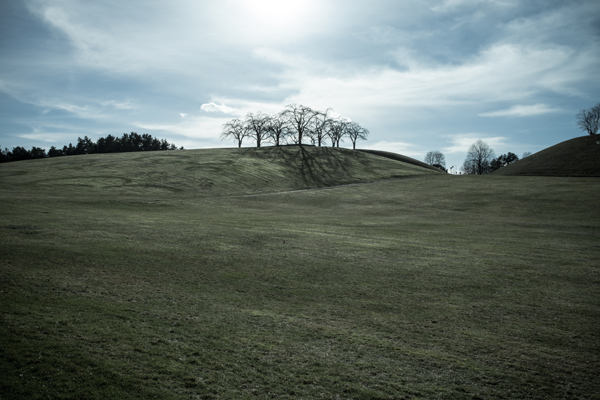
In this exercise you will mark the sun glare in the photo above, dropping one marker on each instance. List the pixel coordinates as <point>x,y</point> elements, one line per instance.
<point>278,13</point>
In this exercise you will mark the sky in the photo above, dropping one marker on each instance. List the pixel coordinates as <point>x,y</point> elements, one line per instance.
<point>420,75</point>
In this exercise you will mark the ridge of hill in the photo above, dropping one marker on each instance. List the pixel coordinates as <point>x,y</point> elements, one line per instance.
<point>579,156</point>
<point>204,172</point>
<point>402,158</point>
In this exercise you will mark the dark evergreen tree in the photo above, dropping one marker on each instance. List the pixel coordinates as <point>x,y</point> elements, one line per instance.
<point>37,152</point>
<point>20,153</point>
<point>85,146</point>
<point>503,161</point>
<point>54,152</point>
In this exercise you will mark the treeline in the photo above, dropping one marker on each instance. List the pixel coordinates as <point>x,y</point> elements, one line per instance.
<point>480,159</point>
<point>294,125</point>
<point>128,142</point>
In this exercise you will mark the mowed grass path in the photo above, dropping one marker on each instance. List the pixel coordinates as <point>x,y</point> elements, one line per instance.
<point>422,285</point>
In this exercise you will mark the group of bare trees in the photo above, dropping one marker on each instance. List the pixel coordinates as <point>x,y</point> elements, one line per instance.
<point>294,125</point>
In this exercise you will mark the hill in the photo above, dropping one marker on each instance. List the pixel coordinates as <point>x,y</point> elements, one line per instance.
<point>575,157</point>
<point>433,287</point>
<point>205,172</point>
<point>402,158</point>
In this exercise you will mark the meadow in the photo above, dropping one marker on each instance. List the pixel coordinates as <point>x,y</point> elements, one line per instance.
<point>294,273</point>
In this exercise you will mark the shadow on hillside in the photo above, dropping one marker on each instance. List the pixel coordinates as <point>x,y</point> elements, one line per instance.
<point>321,166</point>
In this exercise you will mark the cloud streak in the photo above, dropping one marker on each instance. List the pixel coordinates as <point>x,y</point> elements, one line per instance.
<point>214,107</point>
<point>522,111</point>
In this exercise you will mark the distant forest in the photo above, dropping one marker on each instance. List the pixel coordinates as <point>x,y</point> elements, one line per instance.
<point>110,144</point>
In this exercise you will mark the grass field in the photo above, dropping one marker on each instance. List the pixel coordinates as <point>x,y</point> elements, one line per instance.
<point>204,274</point>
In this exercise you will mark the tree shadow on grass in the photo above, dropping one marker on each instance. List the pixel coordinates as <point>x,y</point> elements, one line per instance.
<point>314,166</point>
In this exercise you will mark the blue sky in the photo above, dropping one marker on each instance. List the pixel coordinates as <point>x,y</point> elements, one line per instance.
<point>420,75</point>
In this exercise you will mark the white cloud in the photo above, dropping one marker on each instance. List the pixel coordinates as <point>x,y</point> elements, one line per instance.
<point>506,72</point>
<point>118,105</point>
<point>521,111</point>
<point>451,5</point>
<point>183,115</point>
<point>213,107</point>
<point>462,142</point>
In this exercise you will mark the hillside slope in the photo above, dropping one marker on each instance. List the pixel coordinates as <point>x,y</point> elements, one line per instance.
<point>575,157</point>
<point>205,172</point>
<point>400,157</point>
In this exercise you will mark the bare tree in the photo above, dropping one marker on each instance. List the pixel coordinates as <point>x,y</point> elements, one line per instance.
<point>355,132</point>
<point>277,128</point>
<point>234,129</point>
<point>526,154</point>
<point>589,119</point>
<point>436,158</point>
<point>257,126</point>
<point>479,157</point>
<point>318,130</point>
<point>299,119</point>
<point>336,130</point>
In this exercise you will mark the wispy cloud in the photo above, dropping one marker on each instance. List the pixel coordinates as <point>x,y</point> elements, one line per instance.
<point>214,107</point>
<point>451,5</point>
<point>119,105</point>
<point>508,72</point>
<point>47,137</point>
<point>81,111</point>
<point>521,111</point>
<point>57,134</point>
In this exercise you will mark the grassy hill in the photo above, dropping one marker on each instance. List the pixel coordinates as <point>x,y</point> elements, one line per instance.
<point>575,157</point>
<point>161,276</point>
<point>207,172</point>
<point>402,158</point>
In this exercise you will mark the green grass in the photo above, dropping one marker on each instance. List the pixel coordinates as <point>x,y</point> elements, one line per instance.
<point>411,285</point>
<point>202,173</point>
